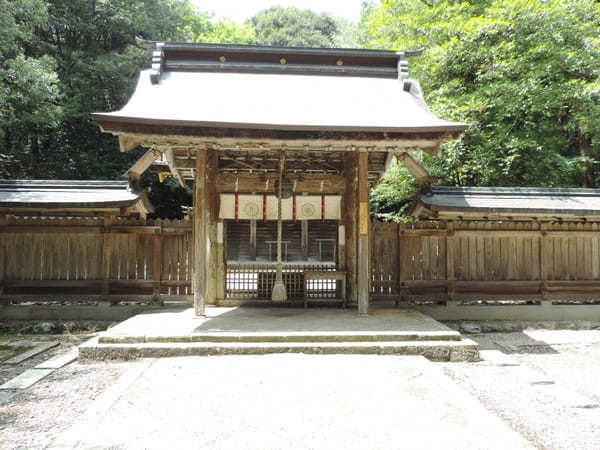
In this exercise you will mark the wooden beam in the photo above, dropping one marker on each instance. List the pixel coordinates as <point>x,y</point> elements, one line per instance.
<point>309,183</point>
<point>200,211</point>
<point>127,143</point>
<point>363,241</point>
<point>171,162</point>
<point>414,167</point>
<point>143,163</point>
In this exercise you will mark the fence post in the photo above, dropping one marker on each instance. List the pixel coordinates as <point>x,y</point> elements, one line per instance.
<point>450,277</point>
<point>157,269</point>
<point>106,255</point>
<point>543,248</point>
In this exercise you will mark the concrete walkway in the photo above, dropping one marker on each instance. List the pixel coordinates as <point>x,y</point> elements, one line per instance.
<point>290,401</point>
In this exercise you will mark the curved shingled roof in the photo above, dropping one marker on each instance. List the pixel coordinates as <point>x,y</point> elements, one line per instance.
<point>449,202</point>
<point>73,194</point>
<point>272,88</point>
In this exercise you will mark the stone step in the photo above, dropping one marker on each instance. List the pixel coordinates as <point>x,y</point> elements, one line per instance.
<point>305,336</point>
<point>463,350</point>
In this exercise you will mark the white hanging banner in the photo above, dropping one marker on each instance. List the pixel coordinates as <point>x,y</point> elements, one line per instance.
<point>333,207</point>
<point>250,207</point>
<point>308,207</point>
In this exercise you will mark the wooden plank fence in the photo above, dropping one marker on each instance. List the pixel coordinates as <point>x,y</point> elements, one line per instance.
<point>486,261</point>
<point>96,256</point>
<point>424,261</point>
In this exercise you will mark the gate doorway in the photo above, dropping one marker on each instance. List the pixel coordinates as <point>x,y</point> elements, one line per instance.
<point>307,246</point>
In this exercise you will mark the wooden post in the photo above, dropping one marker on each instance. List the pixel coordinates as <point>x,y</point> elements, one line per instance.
<point>544,253</point>
<point>363,240</point>
<point>350,221</point>
<point>211,217</point>
<point>200,206</point>
<point>252,244</point>
<point>106,255</point>
<point>221,261</point>
<point>279,293</point>
<point>304,239</point>
<point>450,277</point>
<point>157,269</point>
<point>341,240</point>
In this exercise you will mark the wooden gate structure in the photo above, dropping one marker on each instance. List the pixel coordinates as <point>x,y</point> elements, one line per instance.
<point>291,139</point>
<point>278,134</point>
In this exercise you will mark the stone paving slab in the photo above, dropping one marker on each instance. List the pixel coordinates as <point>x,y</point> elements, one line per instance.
<point>5,396</point>
<point>26,379</point>
<point>289,401</point>
<point>39,348</point>
<point>59,361</point>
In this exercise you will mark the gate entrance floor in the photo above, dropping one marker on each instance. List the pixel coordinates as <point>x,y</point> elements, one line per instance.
<point>246,330</point>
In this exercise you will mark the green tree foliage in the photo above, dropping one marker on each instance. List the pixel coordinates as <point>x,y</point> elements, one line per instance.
<point>293,27</point>
<point>392,197</point>
<point>62,60</point>
<point>524,74</point>
<point>201,27</point>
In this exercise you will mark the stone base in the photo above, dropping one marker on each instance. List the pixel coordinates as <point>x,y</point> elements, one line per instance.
<point>464,350</point>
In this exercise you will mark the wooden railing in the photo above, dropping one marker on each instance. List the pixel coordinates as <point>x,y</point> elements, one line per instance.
<point>90,257</point>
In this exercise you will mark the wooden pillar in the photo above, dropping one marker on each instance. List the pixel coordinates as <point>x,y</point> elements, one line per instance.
<point>200,234</point>
<point>212,218</point>
<point>544,256</point>
<point>221,261</point>
<point>341,256</point>
<point>363,240</point>
<point>350,221</point>
<point>304,239</point>
<point>252,243</point>
<point>107,244</point>
<point>450,244</point>
<point>157,267</point>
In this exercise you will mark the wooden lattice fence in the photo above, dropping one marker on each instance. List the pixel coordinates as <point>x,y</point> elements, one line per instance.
<point>90,256</point>
<point>487,260</point>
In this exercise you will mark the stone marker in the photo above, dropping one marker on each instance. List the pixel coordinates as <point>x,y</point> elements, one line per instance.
<point>26,379</point>
<point>31,353</point>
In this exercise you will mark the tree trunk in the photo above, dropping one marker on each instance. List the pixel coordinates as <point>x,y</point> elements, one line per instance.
<point>588,167</point>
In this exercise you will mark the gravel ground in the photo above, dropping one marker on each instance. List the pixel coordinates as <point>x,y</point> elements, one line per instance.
<point>66,343</point>
<point>31,418</point>
<point>552,397</point>
<point>547,390</point>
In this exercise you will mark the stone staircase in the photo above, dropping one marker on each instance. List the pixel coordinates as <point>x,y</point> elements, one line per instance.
<point>436,345</point>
